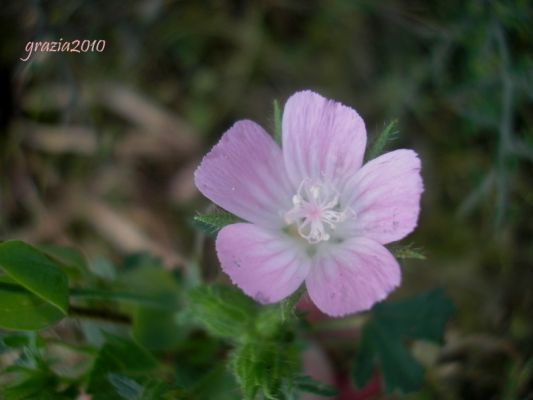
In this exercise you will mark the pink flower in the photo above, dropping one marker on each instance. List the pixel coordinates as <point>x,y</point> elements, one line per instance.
<point>313,212</point>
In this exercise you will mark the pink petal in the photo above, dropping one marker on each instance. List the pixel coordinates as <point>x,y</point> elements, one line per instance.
<point>244,174</point>
<point>267,266</point>
<point>322,139</point>
<point>352,276</point>
<point>385,196</point>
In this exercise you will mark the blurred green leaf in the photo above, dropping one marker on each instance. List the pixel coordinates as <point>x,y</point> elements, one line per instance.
<point>307,384</point>
<point>33,291</point>
<point>212,223</point>
<point>225,311</point>
<point>31,376</point>
<point>24,310</point>
<point>120,356</point>
<point>130,389</point>
<point>15,341</point>
<point>154,328</point>
<point>71,260</point>
<point>399,369</point>
<point>422,317</point>
<point>125,387</point>
<point>36,272</point>
<point>387,135</point>
<point>103,268</point>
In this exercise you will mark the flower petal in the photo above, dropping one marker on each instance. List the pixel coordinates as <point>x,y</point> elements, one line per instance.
<point>385,196</point>
<point>322,139</point>
<point>244,174</point>
<point>267,266</point>
<point>352,276</point>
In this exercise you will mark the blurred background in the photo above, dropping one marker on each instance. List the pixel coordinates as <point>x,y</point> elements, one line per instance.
<point>98,149</point>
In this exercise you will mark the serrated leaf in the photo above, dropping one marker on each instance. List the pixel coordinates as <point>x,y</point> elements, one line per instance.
<point>384,338</point>
<point>388,134</point>
<point>277,122</point>
<point>309,385</point>
<point>35,272</point>
<point>212,223</point>
<point>225,311</point>
<point>243,363</point>
<point>264,366</point>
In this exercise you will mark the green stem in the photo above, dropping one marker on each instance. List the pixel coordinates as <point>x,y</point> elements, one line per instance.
<point>102,314</point>
<point>96,294</point>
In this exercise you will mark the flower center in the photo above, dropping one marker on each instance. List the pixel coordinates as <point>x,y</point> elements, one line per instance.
<point>316,211</point>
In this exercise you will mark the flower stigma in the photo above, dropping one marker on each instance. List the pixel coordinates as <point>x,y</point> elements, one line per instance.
<point>316,211</point>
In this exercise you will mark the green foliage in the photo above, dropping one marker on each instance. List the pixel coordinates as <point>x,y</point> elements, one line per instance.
<point>129,389</point>
<point>265,358</point>
<point>387,135</point>
<point>384,338</point>
<point>154,325</point>
<point>264,366</point>
<point>31,374</point>
<point>34,293</point>
<point>71,261</point>
<point>212,223</point>
<point>225,311</point>
<point>118,356</point>
<point>309,385</point>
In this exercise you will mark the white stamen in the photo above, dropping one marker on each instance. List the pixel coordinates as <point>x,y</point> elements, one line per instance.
<point>316,210</point>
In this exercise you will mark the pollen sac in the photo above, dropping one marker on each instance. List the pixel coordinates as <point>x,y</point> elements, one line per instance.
<point>316,211</point>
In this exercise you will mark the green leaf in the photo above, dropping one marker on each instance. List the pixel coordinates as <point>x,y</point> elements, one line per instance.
<point>265,366</point>
<point>420,317</point>
<point>23,310</point>
<point>120,356</point>
<point>212,223</point>
<point>399,369</point>
<point>154,328</point>
<point>71,260</point>
<point>129,389</point>
<point>364,361</point>
<point>15,341</point>
<point>384,338</point>
<point>388,134</point>
<point>277,122</point>
<point>307,384</point>
<point>126,388</point>
<point>33,291</point>
<point>31,377</point>
<point>225,311</point>
<point>103,268</point>
<point>407,251</point>
<point>36,272</point>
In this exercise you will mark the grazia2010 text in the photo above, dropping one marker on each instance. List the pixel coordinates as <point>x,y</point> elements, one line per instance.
<point>61,46</point>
